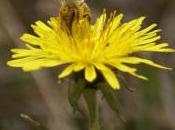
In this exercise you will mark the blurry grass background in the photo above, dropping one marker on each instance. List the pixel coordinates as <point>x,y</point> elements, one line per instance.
<point>150,107</point>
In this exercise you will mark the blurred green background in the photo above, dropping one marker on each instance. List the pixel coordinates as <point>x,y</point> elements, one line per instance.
<point>150,107</point>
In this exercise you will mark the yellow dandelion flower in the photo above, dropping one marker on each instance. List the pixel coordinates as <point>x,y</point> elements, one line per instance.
<point>103,46</point>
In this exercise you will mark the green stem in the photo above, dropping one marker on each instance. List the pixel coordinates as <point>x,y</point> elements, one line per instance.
<point>91,101</point>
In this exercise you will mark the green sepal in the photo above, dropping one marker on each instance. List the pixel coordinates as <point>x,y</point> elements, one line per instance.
<point>91,101</point>
<point>74,92</point>
<point>111,98</point>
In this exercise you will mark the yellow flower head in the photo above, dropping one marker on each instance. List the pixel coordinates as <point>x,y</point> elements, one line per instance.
<point>103,46</point>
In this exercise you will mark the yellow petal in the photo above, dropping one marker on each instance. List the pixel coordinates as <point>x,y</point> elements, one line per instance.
<point>20,62</point>
<point>67,71</point>
<point>147,29</point>
<point>78,67</point>
<point>90,73</point>
<point>54,23</point>
<point>138,24</point>
<point>32,63</point>
<point>130,70</point>
<point>109,76</point>
<point>161,47</point>
<point>42,25</point>
<point>99,25</point>
<point>31,39</point>
<point>115,22</point>
<point>149,40</point>
<point>137,60</point>
<point>41,29</point>
<point>19,53</point>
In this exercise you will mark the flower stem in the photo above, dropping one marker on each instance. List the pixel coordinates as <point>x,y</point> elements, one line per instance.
<point>91,101</point>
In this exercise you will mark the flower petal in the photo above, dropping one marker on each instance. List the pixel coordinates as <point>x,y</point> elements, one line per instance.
<point>90,73</point>
<point>54,22</point>
<point>33,63</point>
<point>99,25</point>
<point>125,68</point>
<point>67,71</point>
<point>153,47</point>
<point>41,29</point>
<point>28,38</point>
<point>78,67</point>
<point>137,60</point>
<point>109,76</point>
